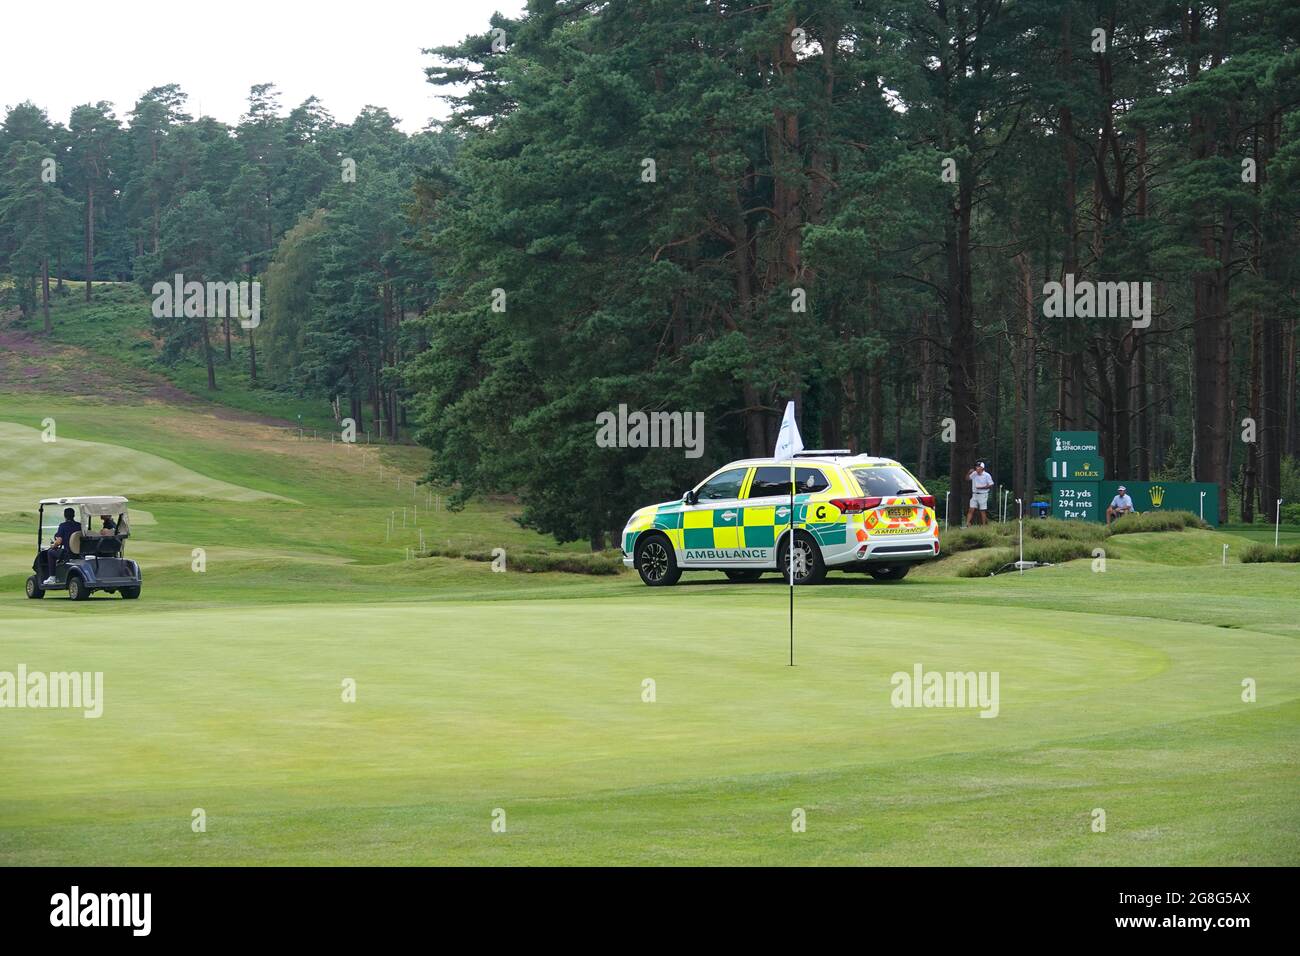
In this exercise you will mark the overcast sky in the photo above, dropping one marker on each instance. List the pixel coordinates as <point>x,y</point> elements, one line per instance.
<point>349,53</point>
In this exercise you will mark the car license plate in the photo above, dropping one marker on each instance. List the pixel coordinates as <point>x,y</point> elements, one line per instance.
<point>900,514</point>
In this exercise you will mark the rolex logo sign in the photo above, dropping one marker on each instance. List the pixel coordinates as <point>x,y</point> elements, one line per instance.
<point>1157,495</point>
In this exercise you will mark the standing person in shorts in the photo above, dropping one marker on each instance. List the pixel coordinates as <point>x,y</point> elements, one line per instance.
<point>980,484</point>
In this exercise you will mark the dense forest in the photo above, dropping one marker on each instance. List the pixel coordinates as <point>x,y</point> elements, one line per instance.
<point>315,210</point>
<point>711,206</point>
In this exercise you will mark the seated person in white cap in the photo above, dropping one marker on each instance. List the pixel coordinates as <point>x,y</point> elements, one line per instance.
<point>1120,505</point>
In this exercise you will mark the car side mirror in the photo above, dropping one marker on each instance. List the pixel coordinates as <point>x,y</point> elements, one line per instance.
<point>690,497</point>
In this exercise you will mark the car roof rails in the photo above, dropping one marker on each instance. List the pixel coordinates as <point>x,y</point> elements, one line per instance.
<point>823,453</point>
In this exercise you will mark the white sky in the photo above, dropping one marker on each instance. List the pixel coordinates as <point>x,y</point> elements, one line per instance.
<point>347,52</point>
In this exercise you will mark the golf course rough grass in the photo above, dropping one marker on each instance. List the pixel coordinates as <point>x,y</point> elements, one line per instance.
<point>33,461</point>
<point>476,691</point>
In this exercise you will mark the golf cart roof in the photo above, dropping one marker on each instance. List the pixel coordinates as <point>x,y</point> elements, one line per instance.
<point>98,504</point>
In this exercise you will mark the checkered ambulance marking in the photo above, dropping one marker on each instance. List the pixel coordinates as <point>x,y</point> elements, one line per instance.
<point>749,532</point>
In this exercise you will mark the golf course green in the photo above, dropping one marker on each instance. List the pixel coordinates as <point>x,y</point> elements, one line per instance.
<point>291,680</point>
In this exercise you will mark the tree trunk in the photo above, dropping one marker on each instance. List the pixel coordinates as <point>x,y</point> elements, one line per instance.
<point>1292,425</point>
<point>90,239</point>
<point>1270,241</point>
<point>786,167</point>
<point>1031,386</point>
<point>1142,419</point>
<point>1070,397</point>
<point>45,293</point>
<point>898,417</point>
<point>1211,337</point>
<point>1017,407</point>
<point>207,354</point>
<point>877,407</point>
<point>925,402</point>
<point>961,333</point>
<point>252,358</point>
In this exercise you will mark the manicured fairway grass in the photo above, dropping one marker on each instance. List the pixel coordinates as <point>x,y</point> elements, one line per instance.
<point>536,707</point>
<point>1265,533</point>
<point>476,691</point>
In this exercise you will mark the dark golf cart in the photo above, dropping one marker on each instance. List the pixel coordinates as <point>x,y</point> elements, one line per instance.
<point>93,559</point>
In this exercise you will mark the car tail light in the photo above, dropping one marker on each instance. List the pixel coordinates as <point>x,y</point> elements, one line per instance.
<point>927,500</point>
<point>853,506</point>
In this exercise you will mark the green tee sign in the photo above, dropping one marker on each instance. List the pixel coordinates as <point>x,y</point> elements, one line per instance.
<point>1074,467</point>
<point>1079,492</point>
<point>1076,501</point>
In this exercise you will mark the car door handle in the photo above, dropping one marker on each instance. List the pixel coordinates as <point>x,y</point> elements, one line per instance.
<point>728,515</point>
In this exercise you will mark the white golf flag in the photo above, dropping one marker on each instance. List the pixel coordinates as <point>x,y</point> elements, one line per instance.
<point>788,441</point>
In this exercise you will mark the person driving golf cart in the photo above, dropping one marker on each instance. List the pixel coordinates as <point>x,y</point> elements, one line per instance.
<point>59,547</point>
<point>80,558</point>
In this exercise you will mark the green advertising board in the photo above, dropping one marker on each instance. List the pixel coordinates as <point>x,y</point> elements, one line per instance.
<point>1076,500</point>
<point>1167,496</point>
<point>1074,467</point>
<point>1074,444</point>
<point>1088,500</point>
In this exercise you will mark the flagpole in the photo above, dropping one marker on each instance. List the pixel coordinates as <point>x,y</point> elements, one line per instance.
<point>789,444</point>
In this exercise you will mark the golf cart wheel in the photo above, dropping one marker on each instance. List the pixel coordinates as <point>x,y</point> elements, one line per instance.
<point>77,590</point>
<point>131,594</point>
<point>809,568</point>
<point>34,589</point>
<point>745,577</point>
<point>656,562</point>
<point>896,573</point>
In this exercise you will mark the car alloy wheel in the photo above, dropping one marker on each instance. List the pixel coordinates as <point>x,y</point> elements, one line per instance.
<point>808,565</point>
<point>654,559</point>
<point>802,559</point>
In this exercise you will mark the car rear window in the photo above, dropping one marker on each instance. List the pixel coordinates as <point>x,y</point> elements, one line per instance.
<point>772,480</point>
<point>885,481</point>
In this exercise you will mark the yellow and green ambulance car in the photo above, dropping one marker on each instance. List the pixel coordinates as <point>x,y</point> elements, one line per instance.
<point>851,513</point>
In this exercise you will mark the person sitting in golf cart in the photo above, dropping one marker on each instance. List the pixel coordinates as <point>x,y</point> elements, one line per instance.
<point>108,526</point>
<point>58,550</point>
